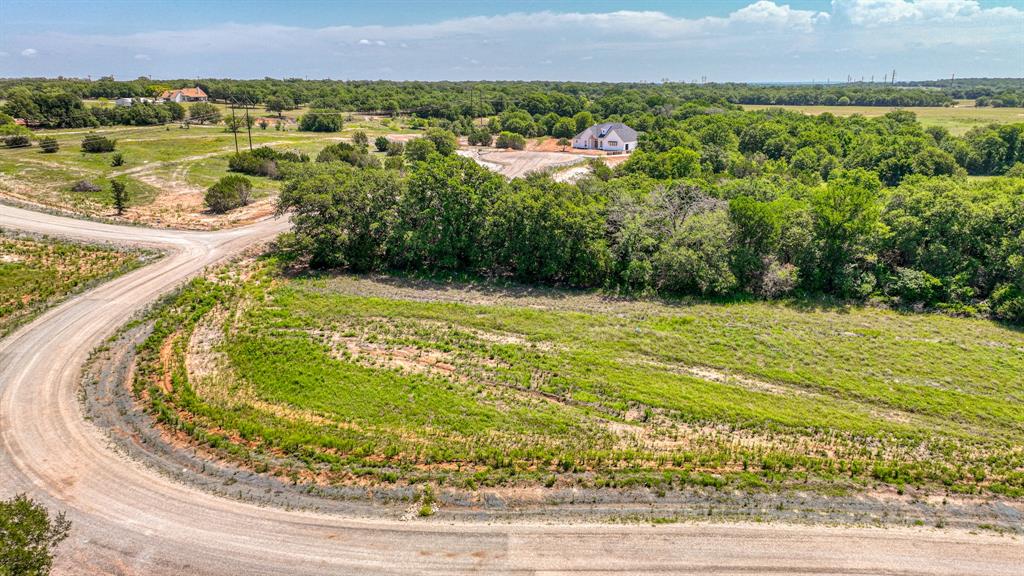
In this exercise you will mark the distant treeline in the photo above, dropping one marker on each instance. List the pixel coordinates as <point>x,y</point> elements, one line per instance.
<point>449,99</point>
<point>997,92</point>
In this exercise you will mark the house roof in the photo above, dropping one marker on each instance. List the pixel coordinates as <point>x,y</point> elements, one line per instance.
<point>599,130</point>
<point>196,92</point>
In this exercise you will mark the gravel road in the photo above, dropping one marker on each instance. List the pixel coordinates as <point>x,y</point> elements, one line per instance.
<point>131,520</point>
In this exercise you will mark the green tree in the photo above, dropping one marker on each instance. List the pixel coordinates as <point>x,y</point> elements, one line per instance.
<point>203,113</point>
<point>381,143</point>
<point>445,142</point>
<point>419,149</point>
<point>230,192</point>
<point>341,217</point>
<point>442,213</point>
<point>846,219</point>
<point>28,537</point>
<point>321,121</point>
<point>119,195</point>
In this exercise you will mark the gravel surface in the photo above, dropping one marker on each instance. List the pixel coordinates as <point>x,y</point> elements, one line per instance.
<point>131,519</point>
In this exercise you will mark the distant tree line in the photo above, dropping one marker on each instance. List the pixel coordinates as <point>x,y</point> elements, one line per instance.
<point>715,204</point>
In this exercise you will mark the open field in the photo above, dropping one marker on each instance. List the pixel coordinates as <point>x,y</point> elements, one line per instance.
<point>166,168</point>
<point>346,379</point>
<point>957,119</point>
<point>36,273</point>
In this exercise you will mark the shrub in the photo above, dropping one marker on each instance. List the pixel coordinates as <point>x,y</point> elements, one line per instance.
<point>510,140</point>
<point>396,148</point>
<point>17,141</point>
<point>85,186</point>
<point>321,121</point>
<point>381,143</point>
<point>345,152</point>
<point>28,536</point>
<point>359,138</point>
<point>94,143</point>
<point>1008,303</point>
<point>1016,171</point>
<point>394,162</point>
<point>117,160</point>
<point>263,161</point>
<point>49,144</point>
<point>480,138</point>
<point>230,192</point>
<point>916,286</point>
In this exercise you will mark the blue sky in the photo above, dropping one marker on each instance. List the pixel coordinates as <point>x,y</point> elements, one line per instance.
<point>722,40</point>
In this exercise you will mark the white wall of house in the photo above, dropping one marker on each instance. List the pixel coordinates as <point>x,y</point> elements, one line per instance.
<point>611,142</point>
<point>123,102</point>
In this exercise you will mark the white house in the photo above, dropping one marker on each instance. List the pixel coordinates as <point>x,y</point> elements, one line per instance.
<point>123,102</point>
<point>610,136</point>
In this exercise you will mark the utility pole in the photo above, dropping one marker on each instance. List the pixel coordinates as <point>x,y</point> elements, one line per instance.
<point>248,125</point>
<point>234,125</point>
<point>893,76</point>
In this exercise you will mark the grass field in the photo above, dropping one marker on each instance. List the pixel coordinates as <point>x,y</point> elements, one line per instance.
<point>166,168</point>
<point>37,273</point>
<point>347,379</point>
<point>958,120</point>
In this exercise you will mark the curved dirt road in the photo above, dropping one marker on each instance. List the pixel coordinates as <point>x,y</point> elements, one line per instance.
<point>130,520</point>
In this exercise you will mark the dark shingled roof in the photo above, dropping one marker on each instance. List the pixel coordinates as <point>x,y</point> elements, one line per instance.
<point>625,132</point>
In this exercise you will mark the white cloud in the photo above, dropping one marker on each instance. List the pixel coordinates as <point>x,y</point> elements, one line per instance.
<point>882,12</point>
<point>29,52</point>
<point>142,57</point>
<point>364,42</point>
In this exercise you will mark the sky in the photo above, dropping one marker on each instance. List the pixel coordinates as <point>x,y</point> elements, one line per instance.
<point>595,40</point>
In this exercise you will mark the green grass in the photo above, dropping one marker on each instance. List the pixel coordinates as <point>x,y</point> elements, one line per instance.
<point>326,375</point>
<point>35,274</point>
<point>157,160</point>
<point>958,120</point>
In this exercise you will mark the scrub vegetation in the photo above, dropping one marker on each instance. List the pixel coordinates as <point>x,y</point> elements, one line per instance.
<point>36,273</point>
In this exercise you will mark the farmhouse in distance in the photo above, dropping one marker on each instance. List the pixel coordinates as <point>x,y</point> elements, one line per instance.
<point>184,95</point>
<point>609,136</point>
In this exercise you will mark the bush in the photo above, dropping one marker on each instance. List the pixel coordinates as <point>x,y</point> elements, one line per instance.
<point>28,536</point>
<point>916,286</point>
<point>359,138</point>
<point>117,160</point>
<point>381,143</point>
<point>17,141</point>
<point>263,161</point>
<point>394,162</point>
<point>480,138</point>
<point>230,192</point>
<point>1008,304</point>
<point>396,148</point>
<point>94,143</point>
<point>321,121</point>
<point>49,144</point>
<point>345,152</point>
<point>510,140</point>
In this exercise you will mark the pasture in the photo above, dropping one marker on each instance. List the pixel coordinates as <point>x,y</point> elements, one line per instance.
<point>349,379</point>
<point>957,119</point>
<point>166,169</point>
